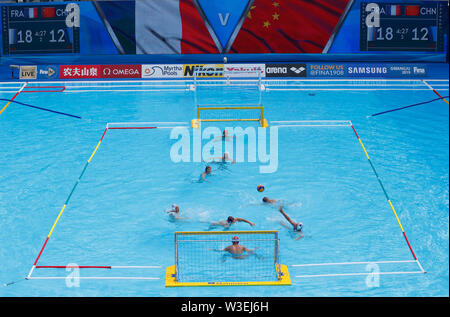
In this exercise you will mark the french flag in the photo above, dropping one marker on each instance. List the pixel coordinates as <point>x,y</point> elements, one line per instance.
<point>31,13</point>
<point>394,10</point>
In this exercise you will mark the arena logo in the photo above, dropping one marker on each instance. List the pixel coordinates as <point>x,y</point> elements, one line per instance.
<point>213,152</point>
<point>285,70</point>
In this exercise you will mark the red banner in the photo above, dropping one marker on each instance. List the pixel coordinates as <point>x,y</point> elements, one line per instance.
<point>79,71</point>
<point>121,71</point>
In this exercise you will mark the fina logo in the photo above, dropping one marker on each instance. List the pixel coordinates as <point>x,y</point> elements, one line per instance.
<point>49,71</point>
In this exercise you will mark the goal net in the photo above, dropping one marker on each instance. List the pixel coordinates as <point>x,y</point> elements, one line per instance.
<point>221,96</point>
<point>202,259</point>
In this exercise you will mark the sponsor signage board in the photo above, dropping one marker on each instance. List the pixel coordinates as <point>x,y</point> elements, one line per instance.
<point>386,70</point>
<point>121,71</point>
<point>162,71</point>
<point>245,70</point>
<point>285,70</point>
<point>79,71</point>
<point>204,70</point>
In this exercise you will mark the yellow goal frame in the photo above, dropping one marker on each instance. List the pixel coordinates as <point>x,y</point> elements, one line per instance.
<point>195,123</point>
<point>282,270</point>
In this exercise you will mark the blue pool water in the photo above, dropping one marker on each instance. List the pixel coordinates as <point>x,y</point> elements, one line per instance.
<point>116,216</point>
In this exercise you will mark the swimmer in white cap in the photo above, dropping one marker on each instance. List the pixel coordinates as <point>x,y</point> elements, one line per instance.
<point>298,226</point>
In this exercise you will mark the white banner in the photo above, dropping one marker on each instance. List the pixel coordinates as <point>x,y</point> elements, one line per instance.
<point>162,71</point>
<point>245,70</point>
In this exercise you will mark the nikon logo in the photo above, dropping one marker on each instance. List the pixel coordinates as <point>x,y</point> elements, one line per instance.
<point>203,70</point>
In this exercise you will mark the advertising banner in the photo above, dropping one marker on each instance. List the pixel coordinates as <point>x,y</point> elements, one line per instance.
<point>285,70</point>
<point>162,71</point>
<point>121,71</point>
<point>79,71</point>
<point>204,70</point>
<point>245,70</point>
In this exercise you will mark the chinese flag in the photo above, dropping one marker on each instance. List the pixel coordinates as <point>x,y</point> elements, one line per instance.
<point>288,26</point>
<point>412,10</point>
<point>48,12</point>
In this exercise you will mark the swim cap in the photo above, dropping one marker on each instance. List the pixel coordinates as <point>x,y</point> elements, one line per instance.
<point>299,226</point>
<point>235,239</point>
<point>230,219</point>
<point>174,206</point>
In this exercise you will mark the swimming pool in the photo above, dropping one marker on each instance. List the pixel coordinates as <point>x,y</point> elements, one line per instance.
<point>116,215</point>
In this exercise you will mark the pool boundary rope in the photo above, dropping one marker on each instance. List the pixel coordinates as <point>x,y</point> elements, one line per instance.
<point>388,199</point>
<point>109,126</point>
<point>434,90</point>
<point>24,89</point>
<point>167,125</point>
<point>14,97</point>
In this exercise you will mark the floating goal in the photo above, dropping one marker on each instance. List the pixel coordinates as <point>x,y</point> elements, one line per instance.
<point>240,93</point>
<point>201,259</point>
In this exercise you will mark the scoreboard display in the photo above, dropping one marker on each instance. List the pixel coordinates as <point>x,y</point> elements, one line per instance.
<point>418,26</point>
<point>39,30</point>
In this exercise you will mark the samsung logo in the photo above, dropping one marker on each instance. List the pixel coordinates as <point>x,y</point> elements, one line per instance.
<point>367,70</point>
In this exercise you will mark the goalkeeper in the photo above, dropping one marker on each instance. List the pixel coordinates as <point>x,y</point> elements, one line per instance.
<point>237,250</point>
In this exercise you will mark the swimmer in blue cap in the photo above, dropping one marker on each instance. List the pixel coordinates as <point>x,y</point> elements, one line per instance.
<point>298,226</point>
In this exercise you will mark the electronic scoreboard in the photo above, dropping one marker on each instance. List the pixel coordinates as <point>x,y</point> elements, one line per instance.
<point>416,26</point>
<point>40,29</point>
